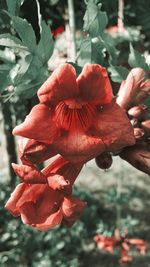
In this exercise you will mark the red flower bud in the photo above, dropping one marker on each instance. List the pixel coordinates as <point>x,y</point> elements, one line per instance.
<point>137,111</point>
<point>146,126</point>
<point>138,133</point>
<point>104,161</point>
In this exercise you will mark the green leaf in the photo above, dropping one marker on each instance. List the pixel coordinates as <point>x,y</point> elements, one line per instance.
<point>25,32</point>
<point>98,51</point>
<point>14,6</point>
<point>77,67</point>
<point>136,59</point>
<point>10,41</point>
<point>95,20</point>
<point>46,45</point>
<point>85,51</point>
<point>118,73</point>
<point>27,91</point>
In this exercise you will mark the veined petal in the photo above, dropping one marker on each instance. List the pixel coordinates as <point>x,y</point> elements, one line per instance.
<point>29,174</point>
<point>38,125</point>
<point>35,152</point>
<point>60,85</point>
<point>79,147</point>
<point>11,204</point>
<point>72,209</point>
<point>114,127</point>
<point>94,84</point>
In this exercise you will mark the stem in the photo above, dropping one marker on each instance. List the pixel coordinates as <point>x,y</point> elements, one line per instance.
<point>72,29</point>
<point>10,142</point>
<point>120,15</point>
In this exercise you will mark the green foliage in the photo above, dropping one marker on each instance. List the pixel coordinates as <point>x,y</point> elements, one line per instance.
<point>118,73</point>
<point>136,59</point>
<point>14,6</point>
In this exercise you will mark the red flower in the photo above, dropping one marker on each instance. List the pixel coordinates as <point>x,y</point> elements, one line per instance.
<point>77,117</point>
<point>122,243</point>
<point>44,198</point>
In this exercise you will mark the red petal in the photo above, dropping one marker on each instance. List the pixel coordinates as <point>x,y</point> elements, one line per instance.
<point>94,84</point>
<point>29,174</point>
<point>38,125</point>
<point>64,168</point>
<point>60,85</point>
<point>114,127</point>
<point>11,204</point>
<point>72,209</point>
<point>78,147</point>
<point>35,152</point>
<point>52,221</point>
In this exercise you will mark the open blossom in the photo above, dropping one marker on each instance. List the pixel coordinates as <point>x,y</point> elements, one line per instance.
<point>44,198</point>
<point>76,117</point>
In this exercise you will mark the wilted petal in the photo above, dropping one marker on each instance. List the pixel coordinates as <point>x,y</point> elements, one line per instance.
<point>72,209</point>
<point>94,84</point>
<point>29,174</point>
<point>57,182</point>
<point>59,86</point>
<point>38,125</point>
<point>11,204</point>
<point>35,152</point>
<point>114,127</point>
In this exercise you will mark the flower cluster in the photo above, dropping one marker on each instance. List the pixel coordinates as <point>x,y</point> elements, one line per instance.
<point>76,119</point>
<point>122,243</point>
<point>132,93</point>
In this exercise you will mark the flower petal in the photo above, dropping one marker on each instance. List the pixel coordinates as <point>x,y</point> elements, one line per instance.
<point>52,221</point>
<point>114,127</point>
<point>29,174</point>
<point>64,168</point>
<point>78,147</point>
<point>35,152</point>
<point>11,204</point>
<point>94,84</point>
<point>38,125</point>
<point>60,85</point>
<point>72,209</point>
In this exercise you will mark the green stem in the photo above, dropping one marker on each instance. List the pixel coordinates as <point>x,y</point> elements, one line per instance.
<point>72,29</point>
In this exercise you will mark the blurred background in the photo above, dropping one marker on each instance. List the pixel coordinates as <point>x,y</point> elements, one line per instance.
<point>118,197</point>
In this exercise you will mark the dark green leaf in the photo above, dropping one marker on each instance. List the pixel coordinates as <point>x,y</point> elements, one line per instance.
<point>85,51</point>
<point>14,6</point>
<point>9,40</point>
<point>95,20</point>
<point>118,73</point>
<point>46,44</point>
<point>25,32</point>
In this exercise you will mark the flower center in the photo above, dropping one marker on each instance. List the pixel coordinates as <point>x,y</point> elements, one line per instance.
<point>74,114</point>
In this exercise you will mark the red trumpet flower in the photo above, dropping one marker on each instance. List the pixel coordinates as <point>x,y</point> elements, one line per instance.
<point>77,118</point>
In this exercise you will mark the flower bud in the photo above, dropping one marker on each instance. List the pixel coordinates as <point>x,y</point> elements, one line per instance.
<point>130,88</point>
<point>137,111</point>
<point>146,126</point>
<point>104,161</point>
<point>138,133</point>
<point>138,156</point>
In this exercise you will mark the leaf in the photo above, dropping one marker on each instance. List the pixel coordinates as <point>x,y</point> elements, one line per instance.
<point>25,32</point>
<point>136,59</point>
<point>118,73</point>
<point>98,51</point>
<point>77,67</point>
<point>95,20</point>
<point>85,51</point>
<point>10,41</point>
<point>14,6</point>
<point>27,91</point>
<point>46,45</point>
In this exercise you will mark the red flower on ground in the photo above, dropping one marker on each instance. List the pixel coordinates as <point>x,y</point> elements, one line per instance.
<point>77,118</point>
<point>43,199</point>
<point>121,242</point>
